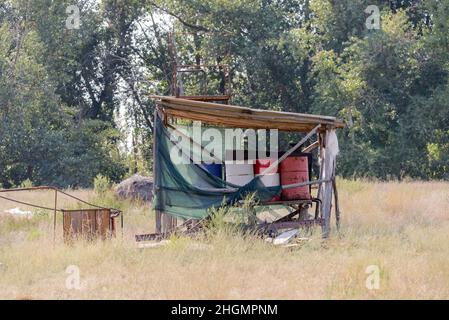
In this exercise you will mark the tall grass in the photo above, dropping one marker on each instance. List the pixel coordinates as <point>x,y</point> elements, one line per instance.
<point>401,228</point>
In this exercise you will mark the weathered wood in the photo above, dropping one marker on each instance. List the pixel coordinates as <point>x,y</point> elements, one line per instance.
<point>222,110</point>
<point>164,221</point>
<point>242,117</point>
<point>327,188</point>
<point>158,227</point>
<point>217,119</point>
<point>313,146</point>
<point>224,98</point>
<point>158,214</point>
<point>337,205</point>
<point>168,223</point>
<point>199,105</point>
<point>55,212</point>
<point>321,162</point>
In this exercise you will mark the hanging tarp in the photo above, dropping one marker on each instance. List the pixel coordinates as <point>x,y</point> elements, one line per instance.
<point>187,190</point>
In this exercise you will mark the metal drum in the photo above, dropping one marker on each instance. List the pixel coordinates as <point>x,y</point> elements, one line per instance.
<point>295,169</point>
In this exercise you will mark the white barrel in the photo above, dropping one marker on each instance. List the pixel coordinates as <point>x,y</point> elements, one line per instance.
<point>271,180</point>
<point>240,180</point>
<point>238,169</point>
<point>238,172</point>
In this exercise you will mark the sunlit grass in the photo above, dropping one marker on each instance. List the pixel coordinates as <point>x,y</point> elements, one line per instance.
<point>403,228</point>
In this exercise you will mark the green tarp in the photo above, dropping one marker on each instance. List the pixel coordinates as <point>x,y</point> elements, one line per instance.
<point>180,188</point>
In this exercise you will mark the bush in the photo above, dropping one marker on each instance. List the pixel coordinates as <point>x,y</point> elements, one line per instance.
<point>102,184</point>
<point>26,184</point>
<point>231,220</point>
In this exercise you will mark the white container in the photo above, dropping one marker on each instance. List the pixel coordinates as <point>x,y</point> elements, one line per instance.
<point>242,169</point>
<point>240,180</point>
<point>270,180</point>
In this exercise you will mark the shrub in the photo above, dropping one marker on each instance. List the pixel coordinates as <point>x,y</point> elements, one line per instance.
<point>102,184</point>
<point>26,184</point>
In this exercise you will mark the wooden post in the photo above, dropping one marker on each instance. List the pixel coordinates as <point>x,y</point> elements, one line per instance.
<point>327,187</point>
<point>164,222</point>
<point>156,180</point>
<point>319,213</point>
<point>55,215</point>
<point>336,203</point>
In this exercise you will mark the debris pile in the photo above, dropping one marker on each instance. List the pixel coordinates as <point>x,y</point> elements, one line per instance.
<point>136,187</point>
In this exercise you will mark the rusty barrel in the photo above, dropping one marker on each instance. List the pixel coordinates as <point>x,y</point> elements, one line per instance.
<point>296,169</point>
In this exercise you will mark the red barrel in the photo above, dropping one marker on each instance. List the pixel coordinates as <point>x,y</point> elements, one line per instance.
<point>260,166</point>
<point>295,169</point>
<point>263,164</point>
<point>295,164</point>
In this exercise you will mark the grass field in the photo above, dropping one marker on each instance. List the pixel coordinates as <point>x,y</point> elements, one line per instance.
<point>400,228</point>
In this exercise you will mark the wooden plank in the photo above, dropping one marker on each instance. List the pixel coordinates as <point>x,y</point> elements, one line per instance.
<point>289,152</point>
<point>239,123</point>
<point>240,109</point>
<point>312,147</point>
<point>206,98</point>
<point>285,237</point>
<point>224,114</point>
<point>249,115</point>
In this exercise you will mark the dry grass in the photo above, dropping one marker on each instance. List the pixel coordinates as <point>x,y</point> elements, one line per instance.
<point>401,227</point>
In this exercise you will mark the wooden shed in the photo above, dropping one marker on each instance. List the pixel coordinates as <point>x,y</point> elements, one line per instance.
<point>319,132</point>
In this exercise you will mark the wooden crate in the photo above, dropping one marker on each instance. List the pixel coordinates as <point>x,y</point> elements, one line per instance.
<point>88,224</point>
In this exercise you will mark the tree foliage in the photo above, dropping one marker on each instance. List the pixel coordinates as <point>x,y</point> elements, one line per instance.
<point>65,93</point>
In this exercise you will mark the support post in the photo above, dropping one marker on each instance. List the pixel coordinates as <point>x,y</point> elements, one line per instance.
<point>158,213</point>
<point>319,214</point>
<point>328,173</point>
<point>55,215</point>
<point>164,222</point>
<point>336,203</point>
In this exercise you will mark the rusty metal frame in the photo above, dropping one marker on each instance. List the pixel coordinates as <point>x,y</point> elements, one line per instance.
<point>55,208</point>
